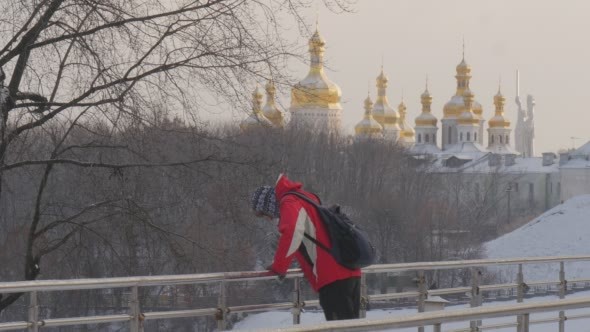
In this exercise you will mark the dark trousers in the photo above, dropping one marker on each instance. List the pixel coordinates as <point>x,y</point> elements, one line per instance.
<point>341,299</point>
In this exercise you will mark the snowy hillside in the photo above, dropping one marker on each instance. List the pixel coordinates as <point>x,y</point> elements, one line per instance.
<point>561,231</point>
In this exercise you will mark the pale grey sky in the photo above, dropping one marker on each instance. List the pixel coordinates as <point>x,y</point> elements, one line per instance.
<point>546,40</point>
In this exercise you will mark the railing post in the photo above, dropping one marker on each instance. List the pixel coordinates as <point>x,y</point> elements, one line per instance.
<point>423,294</point>
<point>364,297</point>
<point>562,291</point>
<point>475,296</point>
<point>437,327</point>
<point>520,297</point>
<point>136,316</point>
<point>296,311</point>
<point>221,307</point>
<point>525,323</point>
<point>33,312</point>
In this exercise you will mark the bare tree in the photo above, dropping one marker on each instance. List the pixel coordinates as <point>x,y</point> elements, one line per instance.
<point>68,65</point>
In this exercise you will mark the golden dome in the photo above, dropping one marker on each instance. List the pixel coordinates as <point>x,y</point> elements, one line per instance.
<point>256,100</point>
<point>463,68</point>
<point>468,116</point>
<point>382,111</point>
<point>316,42</point>
<point>426,118</point>
<point>402,109</point>
<point>406,131</point>
<point>368,125</point>
<point>271,110</point>
<point>256,118</point>
<point>456,106</point>
<point>316,90</point>
<point>382,80</point>
<point>498,120</point>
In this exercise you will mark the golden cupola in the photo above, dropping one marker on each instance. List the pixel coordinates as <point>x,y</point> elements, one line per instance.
<point>270,110</point>
<point>407,133</point>
<point>386,115</point>
<point>256,118</point>
<point>468,116</point>
<point>498,120</point>
<point>316,91</point>
<point>368,127</point>
<point>456,105</point>
<point>426,118</point>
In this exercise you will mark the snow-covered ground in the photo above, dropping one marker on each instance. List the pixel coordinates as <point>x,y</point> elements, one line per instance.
<point>561,231</point>
<point>281,319</point>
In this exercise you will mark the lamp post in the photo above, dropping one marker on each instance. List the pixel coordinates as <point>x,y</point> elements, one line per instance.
<point>508,190</point>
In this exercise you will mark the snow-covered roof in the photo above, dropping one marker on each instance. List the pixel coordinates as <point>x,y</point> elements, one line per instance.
<point>424,149</point>
<point>503,149</point>
<point>576,162</point>
<point>466,147</point>
<point>481,165</point>
<point>584,150</point>
<point>580,158</point>
<point>561,231</point>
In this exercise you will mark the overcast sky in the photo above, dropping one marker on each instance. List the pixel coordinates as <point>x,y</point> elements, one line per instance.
<point>548,41</point>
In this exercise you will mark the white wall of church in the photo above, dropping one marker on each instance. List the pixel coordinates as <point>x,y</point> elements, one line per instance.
<point>574,181</point>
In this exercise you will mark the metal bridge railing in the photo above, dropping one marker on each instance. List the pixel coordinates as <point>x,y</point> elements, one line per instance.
<point>135,317</point>
<point>437,318</point>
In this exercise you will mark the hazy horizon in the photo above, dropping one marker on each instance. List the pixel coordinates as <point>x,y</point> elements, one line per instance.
<point>420,38</point>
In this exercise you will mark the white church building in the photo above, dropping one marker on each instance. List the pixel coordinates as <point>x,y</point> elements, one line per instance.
<point>531,183</point>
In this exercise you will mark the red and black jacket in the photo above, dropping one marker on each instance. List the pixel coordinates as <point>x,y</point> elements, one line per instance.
<point>296,218</point>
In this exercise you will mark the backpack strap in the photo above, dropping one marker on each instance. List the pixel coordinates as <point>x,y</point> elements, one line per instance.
<point>316,206</point>
<point>304,197</point>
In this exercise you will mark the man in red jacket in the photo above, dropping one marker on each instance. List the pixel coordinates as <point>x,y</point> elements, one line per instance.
<point>338,286</point>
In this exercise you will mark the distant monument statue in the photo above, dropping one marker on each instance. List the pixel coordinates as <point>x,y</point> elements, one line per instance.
<point>524,133</point>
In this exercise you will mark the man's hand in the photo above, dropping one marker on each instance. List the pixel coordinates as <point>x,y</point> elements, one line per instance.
<point>273,272</point>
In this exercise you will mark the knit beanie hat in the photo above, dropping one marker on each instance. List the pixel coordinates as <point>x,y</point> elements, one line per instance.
<point>264,200</point>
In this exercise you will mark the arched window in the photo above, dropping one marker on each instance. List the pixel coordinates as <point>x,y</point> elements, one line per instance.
<point>468,137</point>
<point>474,136</point>
<point>492,138</point>
<point>450,131</point>
<point>461,137</point>
<point>427,138</point>
<point>501,139</point>
<point>434,138</point>
<point>507,139</point>
<point>419,138</point>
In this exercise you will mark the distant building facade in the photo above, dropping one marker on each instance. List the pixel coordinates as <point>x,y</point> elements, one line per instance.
<point>456,143</point>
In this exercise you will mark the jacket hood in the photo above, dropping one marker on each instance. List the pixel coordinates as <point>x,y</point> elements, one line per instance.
<point>284,185</point>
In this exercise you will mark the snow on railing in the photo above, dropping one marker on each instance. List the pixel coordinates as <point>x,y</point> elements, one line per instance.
<point>136,317</point>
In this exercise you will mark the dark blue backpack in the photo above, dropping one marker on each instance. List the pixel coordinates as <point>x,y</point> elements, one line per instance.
<point>351,247</point>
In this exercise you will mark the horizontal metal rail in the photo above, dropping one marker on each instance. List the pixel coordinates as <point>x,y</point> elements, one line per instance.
<point>85,320</point>
<point>144,281</point>
<point>532,322</point>
<point>428,266</point>
<point>14,326</point>
<point>441,317</point>
<point>136,316</point>
<point>123,282</point>
<point>391,296</point>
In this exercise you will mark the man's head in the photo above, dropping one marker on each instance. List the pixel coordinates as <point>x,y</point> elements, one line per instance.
<point>264,202</point>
